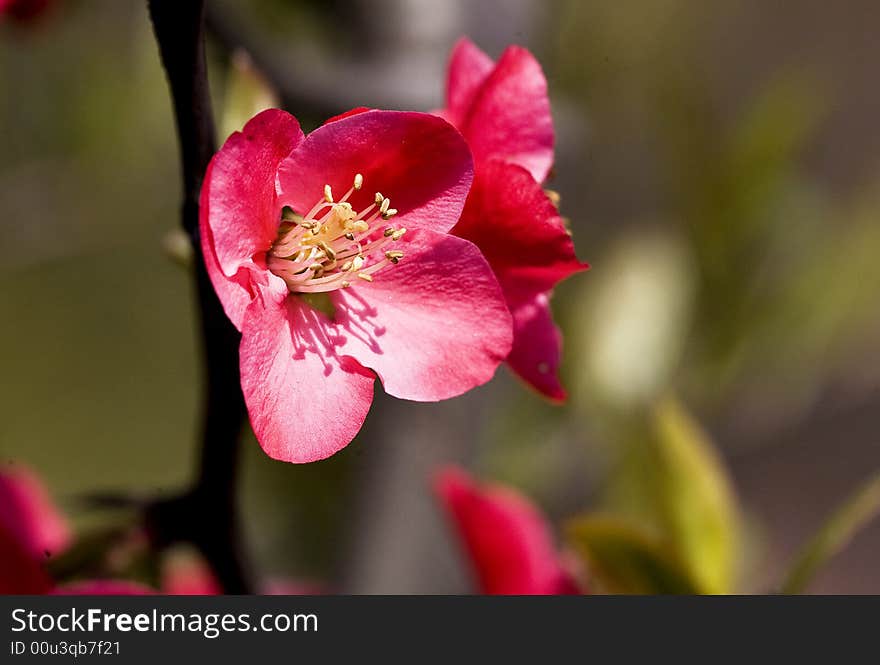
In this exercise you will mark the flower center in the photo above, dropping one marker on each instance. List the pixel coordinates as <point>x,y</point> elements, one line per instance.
<point>331,245</point>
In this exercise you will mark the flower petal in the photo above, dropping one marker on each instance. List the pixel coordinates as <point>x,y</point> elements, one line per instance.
<point>432,327</point>
<point>518,229</point>
<point>20,572</point>
<point>305,400</point>
<point>506,538</point>
<point>350,112</point>
<point>29,515</point>
<point>188,576</point>
<point>240,204</point>
<point>233,292</point>
<point>537,347</point>
<point>468,69</point>
<point>510,115</point>
<point>417,160</point>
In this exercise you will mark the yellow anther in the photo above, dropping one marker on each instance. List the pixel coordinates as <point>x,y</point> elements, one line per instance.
<point>378,198</point>
<point>357,263</point>
<point>388,232</point>
<point>328,194</point>
<point>364,276</point>
<point>358,181</point>
<point>346,266</point>
<point>360,226</point>
<point>388,214</point>
<point>398,234</point>
<point>327,250</point>
<point>384,207</point>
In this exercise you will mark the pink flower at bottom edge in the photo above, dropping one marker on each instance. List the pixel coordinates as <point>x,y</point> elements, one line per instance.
<point>507,540</point>
<point>28,513</point>
<point>31,529</point>
<point>363,279</point>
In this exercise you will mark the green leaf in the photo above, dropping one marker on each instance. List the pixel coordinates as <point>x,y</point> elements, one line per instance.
<point>622,558</point>
<point>856,512</point>
<point>697,504</point>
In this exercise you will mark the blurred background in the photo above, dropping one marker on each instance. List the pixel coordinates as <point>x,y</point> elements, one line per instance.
<point>720,166</point>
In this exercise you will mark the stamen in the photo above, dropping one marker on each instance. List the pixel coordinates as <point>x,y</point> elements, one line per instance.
<point>319,251</point>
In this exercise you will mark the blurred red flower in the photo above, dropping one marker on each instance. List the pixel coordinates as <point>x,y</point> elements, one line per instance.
<point>506,539</point>
<point>503,112</point>
<point>312,281</point>
<point>24,10</point>
<point>32,529</point>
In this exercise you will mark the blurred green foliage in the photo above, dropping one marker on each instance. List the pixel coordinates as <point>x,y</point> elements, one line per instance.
<point>855,513</point>
<point>621,558</point>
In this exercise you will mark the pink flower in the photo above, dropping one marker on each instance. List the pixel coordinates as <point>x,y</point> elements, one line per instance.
<point>29,515</point>
<point>188,576</point>
<point>31,529</point>
<point>505,537</point>
<point>352,281</point>
<point>503,112</point>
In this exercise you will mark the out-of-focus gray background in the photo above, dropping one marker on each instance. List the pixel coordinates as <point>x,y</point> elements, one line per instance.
<point>719,163</point>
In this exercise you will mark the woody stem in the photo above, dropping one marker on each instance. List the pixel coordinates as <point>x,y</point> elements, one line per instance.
<point>207,514</point>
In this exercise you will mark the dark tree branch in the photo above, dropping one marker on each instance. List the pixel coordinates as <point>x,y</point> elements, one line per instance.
<point>207,514</point>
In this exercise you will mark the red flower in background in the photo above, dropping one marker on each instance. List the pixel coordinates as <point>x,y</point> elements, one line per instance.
<point>23,10</point>
<point>503,112</point>
<point>345,286</point>
<point>507,540</point>
<point>32,529</point>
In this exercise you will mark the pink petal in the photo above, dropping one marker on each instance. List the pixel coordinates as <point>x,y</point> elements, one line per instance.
<point>354,111</point>
<point>233,292</point>
<point>29,515</point>
<point>468,69</point>
<point>103,588</point>
<point>518,229</point>
<point>417,160</point>
<point>510,115</point>
<point>189,577</point>
<point>306,401</point>
<point>240,205</point>
<point>506,538</point>
<point>537,347</point>
<point>20,571</point>
<point>432,327</point>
